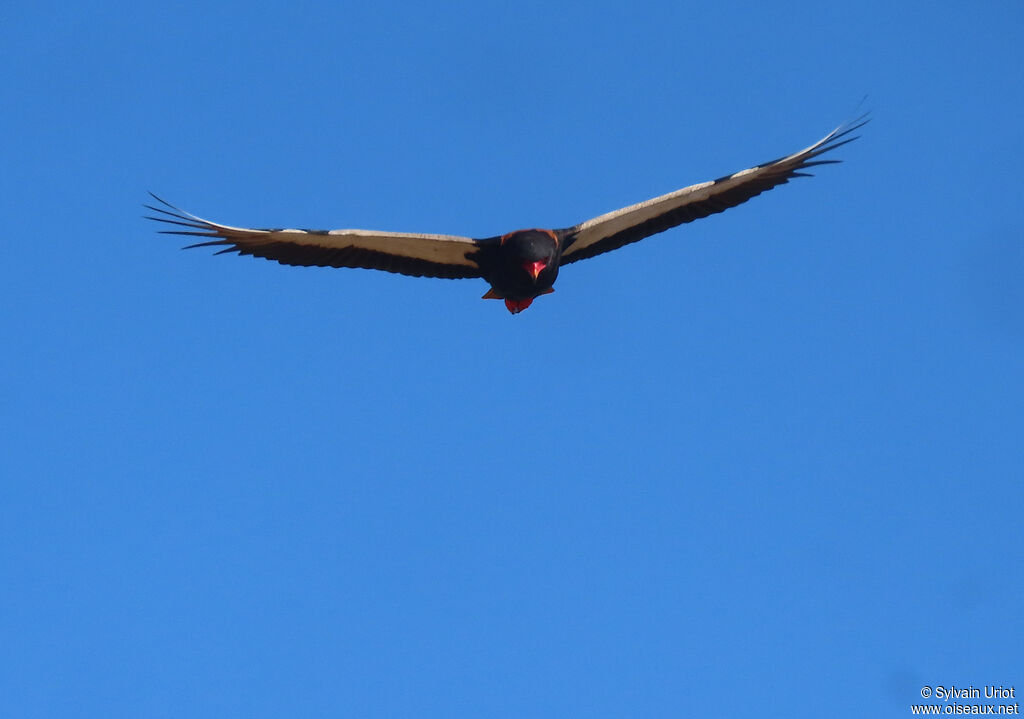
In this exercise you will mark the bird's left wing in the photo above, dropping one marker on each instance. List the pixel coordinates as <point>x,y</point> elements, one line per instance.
<point>447,256</point>
<point>630,224</point>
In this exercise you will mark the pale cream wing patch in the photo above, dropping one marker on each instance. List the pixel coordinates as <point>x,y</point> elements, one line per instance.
<point>420,255</point>
<point>630,224</point>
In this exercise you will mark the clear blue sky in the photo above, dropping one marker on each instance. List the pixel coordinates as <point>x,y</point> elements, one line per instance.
<point>766,464</point>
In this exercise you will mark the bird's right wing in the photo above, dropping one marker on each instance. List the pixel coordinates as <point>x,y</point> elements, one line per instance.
<point>447,256</point>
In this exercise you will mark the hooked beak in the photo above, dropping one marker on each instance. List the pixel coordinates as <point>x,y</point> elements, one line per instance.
<point>534,268</point>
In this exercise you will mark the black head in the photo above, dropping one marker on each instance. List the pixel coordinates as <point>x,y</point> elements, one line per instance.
<point>527,263</point>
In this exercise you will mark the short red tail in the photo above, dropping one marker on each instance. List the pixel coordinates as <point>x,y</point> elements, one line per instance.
<point>517,306</point>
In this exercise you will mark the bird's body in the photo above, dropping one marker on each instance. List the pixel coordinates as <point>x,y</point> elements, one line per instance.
<point>520,266</point>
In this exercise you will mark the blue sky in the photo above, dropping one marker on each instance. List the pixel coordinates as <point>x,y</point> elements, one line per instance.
<point>766,464</point>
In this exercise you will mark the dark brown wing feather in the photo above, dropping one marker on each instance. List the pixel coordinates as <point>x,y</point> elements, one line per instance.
<point>446,256</point>
<point>630,224</point>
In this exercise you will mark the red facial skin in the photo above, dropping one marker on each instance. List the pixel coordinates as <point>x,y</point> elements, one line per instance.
<point>534,268</point>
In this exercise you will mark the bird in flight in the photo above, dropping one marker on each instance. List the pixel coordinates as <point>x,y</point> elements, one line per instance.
<point>520,265</point>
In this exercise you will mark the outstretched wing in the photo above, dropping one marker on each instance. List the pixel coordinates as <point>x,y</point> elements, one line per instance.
<point>630,224</point>
<point>447,256</point>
